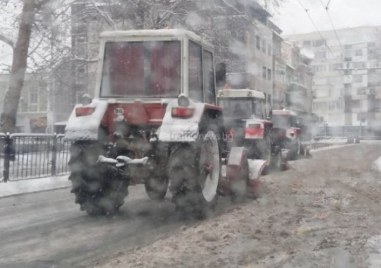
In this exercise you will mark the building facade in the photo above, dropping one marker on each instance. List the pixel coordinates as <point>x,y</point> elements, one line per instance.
<point>347,80</point>
<point>32,110</point>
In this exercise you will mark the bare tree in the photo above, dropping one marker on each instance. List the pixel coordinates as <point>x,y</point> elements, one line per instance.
<point>19,65</point>
<point>33,17</point>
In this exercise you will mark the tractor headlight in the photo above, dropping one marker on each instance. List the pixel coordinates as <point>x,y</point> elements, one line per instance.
<point>183,101</point>
<point>85,99</point>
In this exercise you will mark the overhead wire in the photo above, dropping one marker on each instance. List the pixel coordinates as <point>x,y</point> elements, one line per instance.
<point>328,4</point>
<point>332,24</point>
<point>316,28</point>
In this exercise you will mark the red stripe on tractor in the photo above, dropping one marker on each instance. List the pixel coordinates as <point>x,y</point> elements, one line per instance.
<point>254,131</point>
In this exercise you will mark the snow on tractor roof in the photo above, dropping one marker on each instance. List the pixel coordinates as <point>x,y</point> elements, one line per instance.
<point>149,34</point>
<point>283,112</point>
<point>241,93</point>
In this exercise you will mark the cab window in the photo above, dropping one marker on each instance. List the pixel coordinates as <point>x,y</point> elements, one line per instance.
<point>209,88</point>
<point>195,72</point>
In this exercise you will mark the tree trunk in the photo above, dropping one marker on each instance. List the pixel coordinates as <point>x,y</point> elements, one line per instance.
<point>19,65</point>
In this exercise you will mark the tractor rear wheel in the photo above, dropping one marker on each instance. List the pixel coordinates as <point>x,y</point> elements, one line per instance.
<point>156,187</point>
<point>295,149</point>
<point>239,184</point>
<point>264,147</point>
<point>98,189</point>
<point>194,172</point>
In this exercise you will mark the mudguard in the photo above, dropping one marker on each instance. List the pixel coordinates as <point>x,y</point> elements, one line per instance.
<point>181,129</point>
<point>85,127</point>
<point>231,171</point>
<point>256,168</point>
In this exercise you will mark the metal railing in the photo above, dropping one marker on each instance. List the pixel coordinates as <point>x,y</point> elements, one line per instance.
<point>362,132</point>
<point>26,156</point>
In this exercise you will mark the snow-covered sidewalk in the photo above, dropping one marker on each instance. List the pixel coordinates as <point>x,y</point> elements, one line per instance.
<point>33,185</point>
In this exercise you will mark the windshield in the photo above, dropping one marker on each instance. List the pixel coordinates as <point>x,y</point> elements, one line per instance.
<point>141,69</point>
<point>237,108</point>
<point>281,121</point>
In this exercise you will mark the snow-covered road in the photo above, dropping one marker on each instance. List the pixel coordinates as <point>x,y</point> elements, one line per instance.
<point>322,211</point>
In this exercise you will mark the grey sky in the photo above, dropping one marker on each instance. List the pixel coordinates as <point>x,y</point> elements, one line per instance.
<point>293,19</point>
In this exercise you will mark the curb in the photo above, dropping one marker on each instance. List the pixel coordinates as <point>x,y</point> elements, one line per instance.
<point>34,192</point>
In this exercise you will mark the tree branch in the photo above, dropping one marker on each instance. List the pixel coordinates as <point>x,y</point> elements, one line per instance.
<point>104,15</point>
<point>7,41</point>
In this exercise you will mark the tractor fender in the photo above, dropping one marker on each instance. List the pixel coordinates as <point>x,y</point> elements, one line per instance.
<point>231,172</point>
<point>235,161</point>
<point>179,129</point>
<point>256,168</point>
<point>85,127</point>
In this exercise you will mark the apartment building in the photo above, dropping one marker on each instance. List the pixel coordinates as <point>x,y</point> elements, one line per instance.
<point>347,81</point>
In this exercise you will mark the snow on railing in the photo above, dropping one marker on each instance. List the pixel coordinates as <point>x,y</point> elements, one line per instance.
<point>32,155</point>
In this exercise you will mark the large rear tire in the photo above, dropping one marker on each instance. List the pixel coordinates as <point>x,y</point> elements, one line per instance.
<point>98,189</point>
<point>194,172</point>
<point>264,147</point>
<point>295,149</point>
<point>156,187</point>
<point>239,185</point>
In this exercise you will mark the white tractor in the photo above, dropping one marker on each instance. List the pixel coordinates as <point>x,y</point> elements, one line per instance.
<point>154,121</point>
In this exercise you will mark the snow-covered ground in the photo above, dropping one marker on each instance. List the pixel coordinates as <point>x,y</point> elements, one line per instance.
<point>322,212</point>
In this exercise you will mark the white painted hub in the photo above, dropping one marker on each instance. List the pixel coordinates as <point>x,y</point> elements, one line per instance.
<point>210,156</point>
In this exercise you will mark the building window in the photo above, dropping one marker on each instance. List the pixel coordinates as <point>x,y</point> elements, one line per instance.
<point>264,46</point>
<point>269,74</point>
<point>347,72</point>
<point>318,43</point>
<point>335,67</point>
<point>307,43</point>
<point>33,96</point>
<point>269,50</point>
<point>361,91</point>
<point>347,86</point>
<point>357,78</point>
<point>359,65</point>
<point>264,70</point>
<point>358,52</point>
<point>321,55</point>
<point>258,42</point>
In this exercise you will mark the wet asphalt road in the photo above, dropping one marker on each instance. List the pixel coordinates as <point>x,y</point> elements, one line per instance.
<point>48,230</point>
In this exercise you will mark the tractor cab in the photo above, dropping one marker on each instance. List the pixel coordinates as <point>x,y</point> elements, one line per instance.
<point>245,121</point>
<point>287,131</point>
<point>287,122</point>
<point>156,64</point>
<point>140,72</point>
<point>242,104</point>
